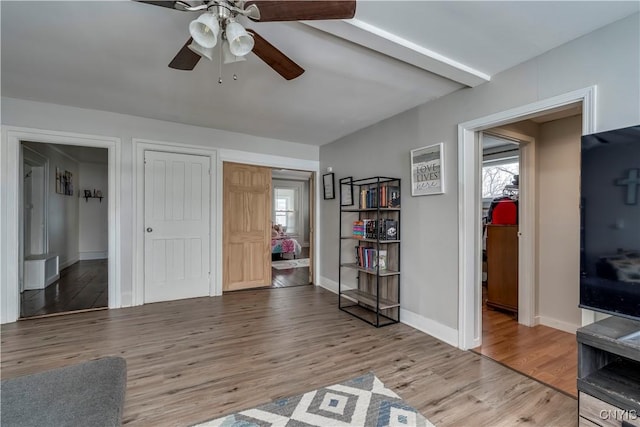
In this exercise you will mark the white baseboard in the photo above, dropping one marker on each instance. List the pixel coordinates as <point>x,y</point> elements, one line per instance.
<point>409,318</point>
<point>69,262</point>
<point>328,284</point>
<point>429,327</point>
<point>94,255</point>
<point>556,324</point>
<point>51,280</point>
<point>331,285</point>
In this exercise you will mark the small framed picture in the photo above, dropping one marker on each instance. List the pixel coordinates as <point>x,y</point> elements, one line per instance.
<point>87,193</point>
<point>346,191</point>
<point>328,186</point>
<point>427,170</point>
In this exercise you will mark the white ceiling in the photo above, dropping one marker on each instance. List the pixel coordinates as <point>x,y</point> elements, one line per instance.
<point>113,56</point>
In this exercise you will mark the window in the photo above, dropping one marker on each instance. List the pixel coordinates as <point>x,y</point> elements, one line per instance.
<point>286,209</point>
<point>497,175</point>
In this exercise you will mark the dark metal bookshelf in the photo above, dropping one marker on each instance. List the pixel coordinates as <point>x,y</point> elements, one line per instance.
<point>373,294</point>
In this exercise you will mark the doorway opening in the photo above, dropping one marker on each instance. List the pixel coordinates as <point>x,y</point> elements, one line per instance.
<point>530,297</point>
<point>500,192</point>
<point>267,226</point>
<point>64,232</point>
<point>291,218</point>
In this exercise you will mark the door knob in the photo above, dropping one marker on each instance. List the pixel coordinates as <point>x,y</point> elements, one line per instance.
<point>149,229</point>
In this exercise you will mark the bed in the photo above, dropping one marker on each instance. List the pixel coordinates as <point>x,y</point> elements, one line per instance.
<point>285,245</point>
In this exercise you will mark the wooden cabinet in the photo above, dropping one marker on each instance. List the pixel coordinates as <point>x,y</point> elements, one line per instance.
<point>502,267</point>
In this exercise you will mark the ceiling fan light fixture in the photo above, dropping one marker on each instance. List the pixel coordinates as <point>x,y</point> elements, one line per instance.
<point>202,51</point>
<point>205,29</point>
<point>240,42</point>
<point>228,57</point>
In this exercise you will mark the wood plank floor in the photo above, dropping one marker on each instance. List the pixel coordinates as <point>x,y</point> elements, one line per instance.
<point>191,360</point>
<point>83,285</point>
<point>546,354</point>
<point>291,276</point>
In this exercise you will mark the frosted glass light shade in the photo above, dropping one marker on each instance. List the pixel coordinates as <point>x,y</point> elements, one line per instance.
<point>202,51</point>
<point>240,42</point>
<point>227,56</point>
<point>205,29</point>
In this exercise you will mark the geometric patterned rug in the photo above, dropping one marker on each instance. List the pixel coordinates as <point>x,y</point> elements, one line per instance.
<point>362,401</point>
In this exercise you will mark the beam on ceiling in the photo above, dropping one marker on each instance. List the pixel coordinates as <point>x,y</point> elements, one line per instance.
<point>389,44</point>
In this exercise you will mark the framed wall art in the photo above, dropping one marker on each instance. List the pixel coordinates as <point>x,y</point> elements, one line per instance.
<point>346,191</point>
<point>427,170</point>
<point>328,185</point>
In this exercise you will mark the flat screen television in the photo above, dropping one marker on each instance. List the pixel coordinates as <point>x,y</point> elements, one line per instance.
<point>610,222</point>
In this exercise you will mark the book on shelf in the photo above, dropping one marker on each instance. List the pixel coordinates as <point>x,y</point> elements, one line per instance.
<point>384,195</point>
<point>358,229</point>
<point>382,259</point>
<point>370,258</point>
<point>371,229</point>
<point>383,229</point>
<point>393,197</point>
<point>388,229</point>
<point>363,198</point>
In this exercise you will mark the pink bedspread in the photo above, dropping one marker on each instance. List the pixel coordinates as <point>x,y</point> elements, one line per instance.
<point>285,246</point>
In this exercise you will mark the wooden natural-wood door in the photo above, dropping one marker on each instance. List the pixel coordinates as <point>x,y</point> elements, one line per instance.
<point>502,267</point>
<point>247,226</point>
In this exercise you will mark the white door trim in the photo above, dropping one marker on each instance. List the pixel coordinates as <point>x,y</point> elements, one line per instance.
<point>139,147</point>
<point>469,202</point>
<point>10,197</point>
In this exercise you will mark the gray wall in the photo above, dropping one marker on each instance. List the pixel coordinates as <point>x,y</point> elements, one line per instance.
<point>558,223</point>
<point>608,58</point>
<point>94,213</point>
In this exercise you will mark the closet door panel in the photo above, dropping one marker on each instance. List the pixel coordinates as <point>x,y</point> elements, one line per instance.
<point>502,267</point>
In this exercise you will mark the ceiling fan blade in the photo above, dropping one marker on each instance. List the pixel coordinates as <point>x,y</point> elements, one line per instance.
<point>274,58</point>
<point>167,4</point>
<point>186,59</point>
<point>309,10</point>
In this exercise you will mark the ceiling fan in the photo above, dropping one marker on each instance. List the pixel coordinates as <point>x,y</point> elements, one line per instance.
<point>218,20</point>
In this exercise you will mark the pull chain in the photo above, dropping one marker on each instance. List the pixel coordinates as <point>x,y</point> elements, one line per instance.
<point>220,64</point>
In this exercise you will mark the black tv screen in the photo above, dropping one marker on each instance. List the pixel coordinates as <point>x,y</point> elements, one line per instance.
<point>610,222</point>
